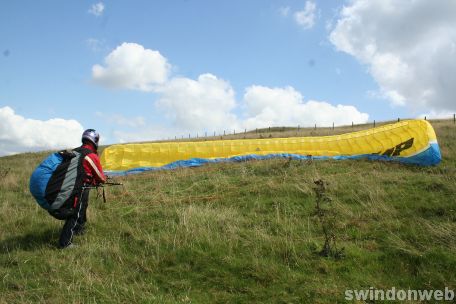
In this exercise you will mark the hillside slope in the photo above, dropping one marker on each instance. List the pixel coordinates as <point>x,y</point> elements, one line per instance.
<point>238,232</point>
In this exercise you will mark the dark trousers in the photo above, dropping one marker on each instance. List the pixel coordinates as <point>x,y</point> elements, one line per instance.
<point>76,222</point>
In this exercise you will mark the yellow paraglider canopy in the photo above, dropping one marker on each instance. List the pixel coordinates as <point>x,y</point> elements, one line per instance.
<point>411,141</point>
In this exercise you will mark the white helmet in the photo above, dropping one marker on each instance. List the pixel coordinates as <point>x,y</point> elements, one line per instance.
<point>92,136</point>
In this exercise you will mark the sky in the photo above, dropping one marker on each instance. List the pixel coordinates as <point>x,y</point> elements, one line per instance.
<point>146,70</point>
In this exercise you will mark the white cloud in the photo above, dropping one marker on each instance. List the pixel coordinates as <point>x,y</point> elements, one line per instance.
<point>203,104</point>
<point>130,66</point>
<point>286,107</point>
<point>97,9</point>
<point>209,103</point>
<point>19,134</point>
<point>409,47</point>
<point>306,17</point>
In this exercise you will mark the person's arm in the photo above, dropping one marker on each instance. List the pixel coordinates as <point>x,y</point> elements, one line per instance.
<point>92,162</point>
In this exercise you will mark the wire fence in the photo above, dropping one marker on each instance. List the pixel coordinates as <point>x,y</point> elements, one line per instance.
<point>259,132</point>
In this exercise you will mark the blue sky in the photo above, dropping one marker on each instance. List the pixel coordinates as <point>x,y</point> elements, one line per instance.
<point>180,67</point>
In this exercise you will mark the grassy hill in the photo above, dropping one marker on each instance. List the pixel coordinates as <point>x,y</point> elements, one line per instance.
<point>239,232</point>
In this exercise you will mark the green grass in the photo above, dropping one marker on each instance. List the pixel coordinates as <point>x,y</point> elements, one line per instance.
<point>236,233</point>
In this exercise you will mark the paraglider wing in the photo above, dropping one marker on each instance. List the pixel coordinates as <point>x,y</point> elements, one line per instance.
<point>411,142</point>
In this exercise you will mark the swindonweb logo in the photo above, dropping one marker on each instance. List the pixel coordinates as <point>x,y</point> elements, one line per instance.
<point>393,294</point>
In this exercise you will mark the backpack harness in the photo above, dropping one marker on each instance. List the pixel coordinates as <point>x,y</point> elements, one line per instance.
<point>58,182</point>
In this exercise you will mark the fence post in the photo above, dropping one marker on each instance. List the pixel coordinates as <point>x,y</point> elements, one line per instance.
<point>245,131</point>
<point>352,125</point>
<point>333,126</point>
<point>188,135</point>
<point>315,126</point>
<point>234,132</point>
<point>374,123</point>
<point>398,119</point>
<point>224,133</point>
<point>454,118</point>
<point>425,118</point>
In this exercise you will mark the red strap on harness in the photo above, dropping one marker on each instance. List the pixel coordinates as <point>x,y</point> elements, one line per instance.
<point>75,201</point>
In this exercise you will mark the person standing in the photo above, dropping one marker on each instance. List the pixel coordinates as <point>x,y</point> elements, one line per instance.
<point>75,224</point>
